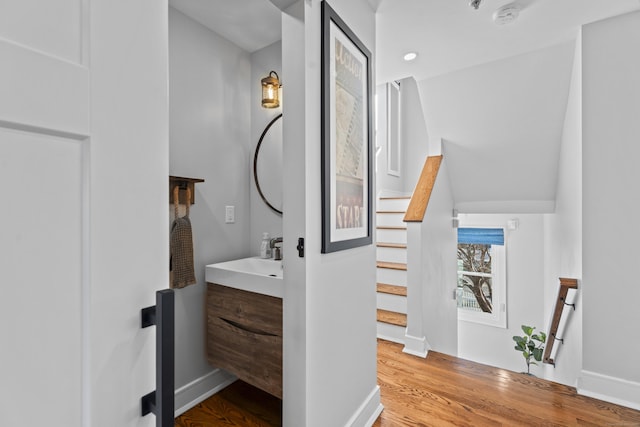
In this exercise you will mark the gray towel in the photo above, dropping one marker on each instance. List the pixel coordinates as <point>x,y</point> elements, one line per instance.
<point>181,247</point>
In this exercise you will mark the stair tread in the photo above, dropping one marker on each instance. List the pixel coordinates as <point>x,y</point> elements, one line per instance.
<point>395,198</point>
<point>391,265</point>
<point>391,227</point>
<point>390,212</point>
<point>386,288</point>
<point>391,245</point>
<point>391,317</point>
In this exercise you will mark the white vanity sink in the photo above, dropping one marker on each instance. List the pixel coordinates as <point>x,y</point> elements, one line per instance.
<point>263,276</point>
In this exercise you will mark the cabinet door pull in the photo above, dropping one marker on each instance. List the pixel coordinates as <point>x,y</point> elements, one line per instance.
<point>246,328</point>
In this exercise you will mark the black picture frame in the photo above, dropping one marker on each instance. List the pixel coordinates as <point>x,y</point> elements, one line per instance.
<point>347,137</point>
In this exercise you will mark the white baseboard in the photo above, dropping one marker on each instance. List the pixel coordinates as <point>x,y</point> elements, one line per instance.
<point>368,411</point>
<point>416,346</point>
<point>189,395</point>
<point>610,389</point>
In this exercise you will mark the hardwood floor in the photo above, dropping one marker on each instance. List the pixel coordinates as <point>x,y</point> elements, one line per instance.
<point>237,405</point>
<point>437,391</point>
<point>443,390</point>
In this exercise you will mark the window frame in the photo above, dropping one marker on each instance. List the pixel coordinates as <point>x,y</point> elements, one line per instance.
<point>498,317</point>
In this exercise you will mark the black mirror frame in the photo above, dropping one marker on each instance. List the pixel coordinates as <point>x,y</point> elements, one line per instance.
<point>255,164</point>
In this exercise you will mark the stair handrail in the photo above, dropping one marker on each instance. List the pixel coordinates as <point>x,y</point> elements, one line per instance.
<point>561,301</point>
<point>421,194</point>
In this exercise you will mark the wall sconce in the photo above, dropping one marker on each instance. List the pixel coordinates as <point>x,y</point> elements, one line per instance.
<point>270,95</point>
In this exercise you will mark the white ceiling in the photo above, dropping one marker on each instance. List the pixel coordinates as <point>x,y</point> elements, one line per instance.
<point>447,34</point>
<point>250,24</point>
<point>450,35</point>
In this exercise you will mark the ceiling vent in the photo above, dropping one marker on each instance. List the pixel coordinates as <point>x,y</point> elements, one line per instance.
<point>506,14</point>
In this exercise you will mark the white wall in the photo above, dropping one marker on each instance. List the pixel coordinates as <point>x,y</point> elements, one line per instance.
<point>329,299</point>
<point>414,139</point>
<point>262,217</point>
<point>611,129</point>
<point>210,95</point>
<point>294,406</point>
<point>384,181</point>
<point>414,136</point>
<point>563,236</point>
<point>525,290</point>
<point>439,268</point>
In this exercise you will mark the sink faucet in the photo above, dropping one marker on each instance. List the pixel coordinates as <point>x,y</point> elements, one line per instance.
<point>277,250</point>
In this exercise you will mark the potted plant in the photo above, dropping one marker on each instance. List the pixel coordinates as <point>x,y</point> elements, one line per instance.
<point>530,345</point>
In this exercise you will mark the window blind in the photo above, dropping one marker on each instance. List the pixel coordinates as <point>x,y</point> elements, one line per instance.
<point>483,236</point>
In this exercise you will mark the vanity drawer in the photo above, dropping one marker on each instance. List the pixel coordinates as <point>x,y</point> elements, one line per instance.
<point>244,336</point>
<point>256,311</point>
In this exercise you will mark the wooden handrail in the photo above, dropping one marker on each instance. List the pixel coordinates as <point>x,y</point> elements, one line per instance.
<point>422,193</point>
<point>565,285</point>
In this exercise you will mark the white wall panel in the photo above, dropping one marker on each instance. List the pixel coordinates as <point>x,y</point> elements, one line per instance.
<point>54,27</point>
<point>42,91</point>
<point>40,260</point>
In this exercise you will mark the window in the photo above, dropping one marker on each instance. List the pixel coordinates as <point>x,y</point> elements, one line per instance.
<point>481,292</point>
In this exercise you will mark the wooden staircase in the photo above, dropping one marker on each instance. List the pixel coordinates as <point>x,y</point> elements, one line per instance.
<point>391,268</point>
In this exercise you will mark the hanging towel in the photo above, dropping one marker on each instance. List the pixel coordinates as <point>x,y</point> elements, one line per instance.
<point>181,247</point>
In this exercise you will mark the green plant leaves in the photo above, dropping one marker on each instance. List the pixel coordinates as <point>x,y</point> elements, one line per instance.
<point>537,354</point>
<point>531,345</point>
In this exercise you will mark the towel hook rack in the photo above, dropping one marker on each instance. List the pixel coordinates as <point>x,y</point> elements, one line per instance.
<point>183,184</point>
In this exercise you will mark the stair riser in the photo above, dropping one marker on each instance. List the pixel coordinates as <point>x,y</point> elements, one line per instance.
<point>390,332</point>
<point>392,204</point>
<point>391,255</point>
<point>393,219</point>
<point>391,236</point>
<point>392,277</point>
<point>390,302</point>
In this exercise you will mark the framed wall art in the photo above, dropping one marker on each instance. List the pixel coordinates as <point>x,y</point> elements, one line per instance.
<point>347,136</point>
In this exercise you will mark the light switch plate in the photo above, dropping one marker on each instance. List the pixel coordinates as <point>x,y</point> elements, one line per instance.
<point>229,214</point>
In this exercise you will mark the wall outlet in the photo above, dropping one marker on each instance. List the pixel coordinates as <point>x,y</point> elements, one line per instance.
<point>229,214</point>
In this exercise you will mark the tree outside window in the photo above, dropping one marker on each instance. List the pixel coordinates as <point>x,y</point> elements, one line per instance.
<point>481,292</point>
<point>474,277</point>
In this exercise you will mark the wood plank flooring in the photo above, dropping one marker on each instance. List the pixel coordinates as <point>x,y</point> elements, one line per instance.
<point>240,404</point>
<point>442,390</point>
<point>437,391</point>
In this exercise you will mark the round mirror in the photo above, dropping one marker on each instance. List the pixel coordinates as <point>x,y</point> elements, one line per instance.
<point>267,165</point>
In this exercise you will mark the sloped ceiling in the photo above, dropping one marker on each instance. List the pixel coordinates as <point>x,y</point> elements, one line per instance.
<point>501,126</point>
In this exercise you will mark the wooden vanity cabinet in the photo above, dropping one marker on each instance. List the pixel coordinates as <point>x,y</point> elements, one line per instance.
<point>244,336</point>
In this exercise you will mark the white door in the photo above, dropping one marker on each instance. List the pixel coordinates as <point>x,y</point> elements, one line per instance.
<point>83,241</point>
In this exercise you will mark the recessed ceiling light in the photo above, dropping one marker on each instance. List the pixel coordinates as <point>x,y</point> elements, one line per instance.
<point>410,56</point>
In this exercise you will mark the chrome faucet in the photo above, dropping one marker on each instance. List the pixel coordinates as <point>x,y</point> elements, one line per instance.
<point>277,250</point>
